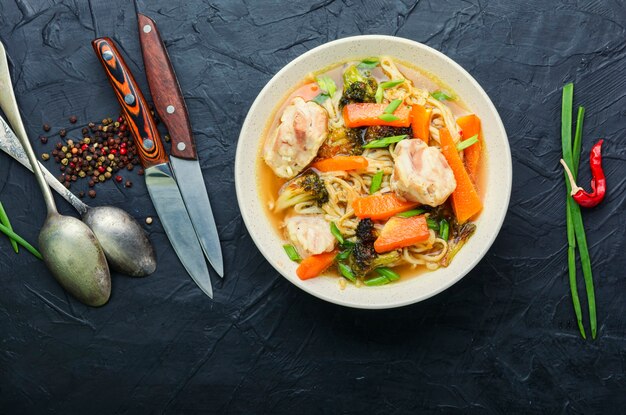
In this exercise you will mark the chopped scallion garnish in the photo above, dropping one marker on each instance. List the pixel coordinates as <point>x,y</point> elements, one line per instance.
<point>393,105</point>
<point>385,142</point>
<point>292,253</point>
<point>335,231</point>
<point>388,117</point>
<point>387,272</point>
<point>377,179</point>
<point>462,145</point>
<point>345,254</point>
<point>346,271</point>
<point>410,213</point>
<point>442,96</point>
<point>320,98</point>
<point>444,229</point>
<point>386,85</point>
<point>433,224</point>
<point>368,63</point>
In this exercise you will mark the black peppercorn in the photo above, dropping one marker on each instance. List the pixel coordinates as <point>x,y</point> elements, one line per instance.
<point>73,119</point>
<point>63,132</point>
<point>46,127</point>
<point>92,193</point>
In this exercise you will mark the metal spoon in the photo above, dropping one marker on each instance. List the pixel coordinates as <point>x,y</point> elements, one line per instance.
<point>125,243</point>
<point>69,248</point>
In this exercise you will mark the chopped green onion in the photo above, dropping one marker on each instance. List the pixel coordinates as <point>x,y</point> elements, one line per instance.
<point>391,84</point>
<point>346,271</point>
<point>345,254</point>
<point>444,229</point>
<point>442,96</point>
<point>377,179</point>
<point>386,85</point>
<point>410,213</point>
<point>575,226</point>
<point>385,142</point>
<point>368,63</point>
<point>392,106</point>
<point>292,253</point>
<point>327,85</point>
<point>433,224</point>
<point>462,145</point>
<point>388,117</point>
<point>387,272</point>
<point>380,280</point>
<point>347,244</point>
<point>8,232</point>
<point>4,219</point>
<point>320,98</point>
<point>335,231</point>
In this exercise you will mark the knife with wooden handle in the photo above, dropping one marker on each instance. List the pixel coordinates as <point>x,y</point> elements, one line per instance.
<point>170,105</point>
<point>160,182</point>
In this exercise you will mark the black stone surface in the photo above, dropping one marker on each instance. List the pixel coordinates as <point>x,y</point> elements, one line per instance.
<point>503,340</point>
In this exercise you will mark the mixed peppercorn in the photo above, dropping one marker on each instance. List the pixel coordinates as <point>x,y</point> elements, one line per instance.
<point>104,150</point>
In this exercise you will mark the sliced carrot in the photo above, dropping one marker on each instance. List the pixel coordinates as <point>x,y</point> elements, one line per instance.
<point>367,114</point>
<point>465,200</point>
<point>400,232</point>
<point>314,265</point>
<point>470,125</point>
<point>420,122</point>
<point>380,206</point>
<point>307,91</point>
<point>341,163</point>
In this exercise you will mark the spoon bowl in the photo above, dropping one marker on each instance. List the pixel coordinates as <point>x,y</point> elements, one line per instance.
<point>72,253</point>
<point>125,244</point>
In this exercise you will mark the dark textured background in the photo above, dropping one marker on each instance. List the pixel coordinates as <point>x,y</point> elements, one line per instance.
<point>503,340</point>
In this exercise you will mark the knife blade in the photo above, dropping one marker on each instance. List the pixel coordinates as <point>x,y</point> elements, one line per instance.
<point>170,105</point>
<point>160,182</point>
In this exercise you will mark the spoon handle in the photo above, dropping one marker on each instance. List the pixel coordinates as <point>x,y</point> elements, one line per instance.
<point>10,144</point>
<point>8,104</point>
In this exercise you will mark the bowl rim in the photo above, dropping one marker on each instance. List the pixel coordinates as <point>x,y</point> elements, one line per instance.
<point>498,221</point>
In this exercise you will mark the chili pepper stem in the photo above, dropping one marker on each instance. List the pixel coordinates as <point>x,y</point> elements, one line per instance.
<point>575,187</point>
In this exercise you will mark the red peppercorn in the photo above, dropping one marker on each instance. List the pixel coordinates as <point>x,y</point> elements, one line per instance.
<point>123,150</point>
<point>113,151</point>
<point>101,169</point>
<point>84,147</point>
<point>120,119</point>
<point>118,178</point>
<point>72,165</point>
<point>103,151</point>
<point>123,145</point>
<point>123,127</point>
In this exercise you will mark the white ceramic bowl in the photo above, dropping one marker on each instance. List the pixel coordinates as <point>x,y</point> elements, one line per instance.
<point>497,181</point>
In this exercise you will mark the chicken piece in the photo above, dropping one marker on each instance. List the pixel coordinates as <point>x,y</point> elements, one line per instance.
<point>302,130</point>
<point>421,173</point>
<point>310,234</point>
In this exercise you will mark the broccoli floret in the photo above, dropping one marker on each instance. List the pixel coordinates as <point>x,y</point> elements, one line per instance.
<point>363,259</point>
<point>357,87</point>
<point>365,230</point>
<point>379,131</point>
<point>307,187</point>
<point>344,141</point>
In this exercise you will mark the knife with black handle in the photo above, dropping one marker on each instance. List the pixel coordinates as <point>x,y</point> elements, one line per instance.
<point>160,182</point>
<point>170,105</point>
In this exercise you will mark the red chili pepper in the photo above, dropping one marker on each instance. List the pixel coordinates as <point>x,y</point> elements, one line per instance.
<point>598,181</point>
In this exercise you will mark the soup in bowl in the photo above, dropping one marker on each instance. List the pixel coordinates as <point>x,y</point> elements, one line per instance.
<point>374,184</point>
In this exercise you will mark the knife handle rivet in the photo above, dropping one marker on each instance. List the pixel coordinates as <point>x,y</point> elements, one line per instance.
<point>181,146</point>
<point>170,109</point>
<point>107,55</point>
<point>147,144</point>
<point>147,28</point>
<point>129,99</point>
